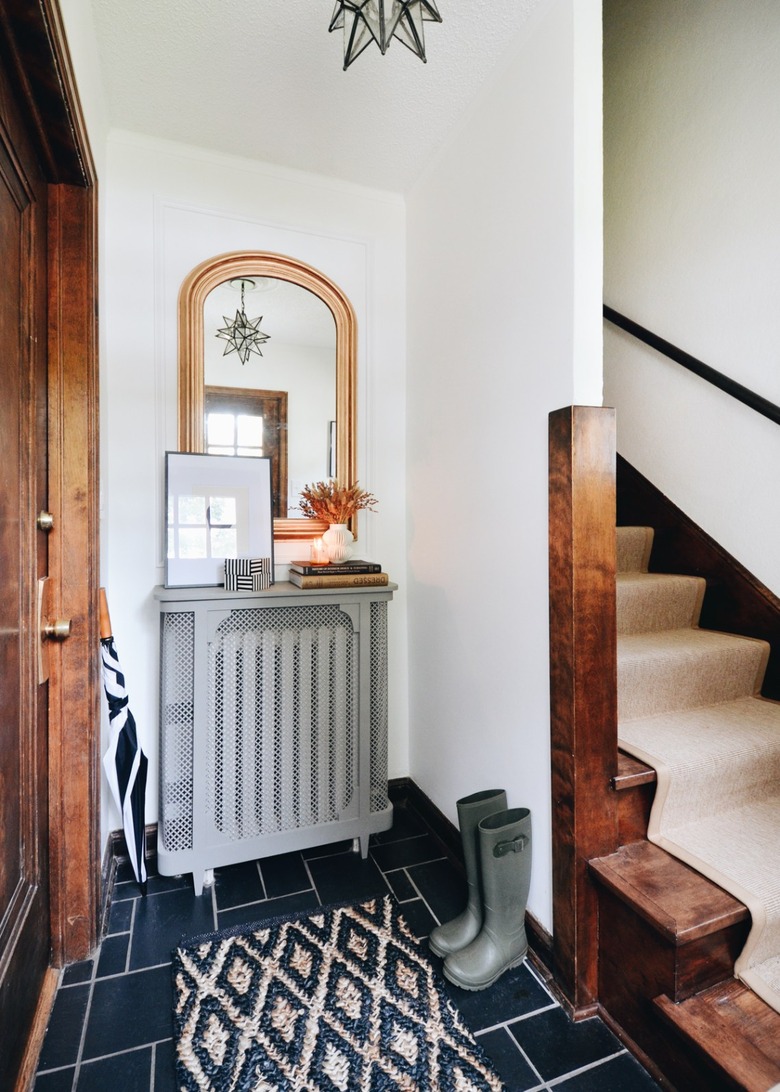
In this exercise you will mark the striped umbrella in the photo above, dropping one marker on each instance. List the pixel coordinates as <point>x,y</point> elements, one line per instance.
<point>124,761</point>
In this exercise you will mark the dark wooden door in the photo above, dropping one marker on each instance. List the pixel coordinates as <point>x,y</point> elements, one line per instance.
<point>265,409</point>
<point>24,874</point>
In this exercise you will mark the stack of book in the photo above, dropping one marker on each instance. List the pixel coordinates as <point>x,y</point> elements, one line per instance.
<point>345,574</point>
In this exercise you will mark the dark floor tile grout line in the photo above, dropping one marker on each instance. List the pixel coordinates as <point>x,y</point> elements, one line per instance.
<point>214,907</point>
<point>259,902</point>
<point>420,895</point>
<point>517,1046</point>
<point>130,941</point>
<point>397,841</point>
<point>311,878</point>
<point>519,1019</point>
<point>153,1069</point>
<point>528,1061</point>
<point>83,1036</point>
<point>134,970</point>
<point>554,1082</point>
<point>240,906</point>
<point>538,977</point>
<point>263,885</point>
<point>313,856</point>
<point>90,984</point>
<point>154,1043</point>
<point>416,864</point>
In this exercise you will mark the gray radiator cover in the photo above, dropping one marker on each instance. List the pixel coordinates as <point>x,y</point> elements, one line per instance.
<point>273,723</point>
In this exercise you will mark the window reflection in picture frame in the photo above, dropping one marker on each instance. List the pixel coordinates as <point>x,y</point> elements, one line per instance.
<point>216,506</point>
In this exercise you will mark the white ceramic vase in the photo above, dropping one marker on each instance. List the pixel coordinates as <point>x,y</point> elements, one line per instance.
<point>338,543</point>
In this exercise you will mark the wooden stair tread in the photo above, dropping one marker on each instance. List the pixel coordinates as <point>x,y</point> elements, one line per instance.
<point>678,902</point>
<point>632,773</point>
<point>732,1027</point>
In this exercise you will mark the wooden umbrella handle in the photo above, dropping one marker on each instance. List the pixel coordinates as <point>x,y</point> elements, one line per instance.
<point>105,620</point>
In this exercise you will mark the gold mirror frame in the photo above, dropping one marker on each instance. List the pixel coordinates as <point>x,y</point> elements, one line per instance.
<point>192,296</point>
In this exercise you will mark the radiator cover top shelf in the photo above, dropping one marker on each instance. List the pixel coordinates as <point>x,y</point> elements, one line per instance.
<point>273,722</point>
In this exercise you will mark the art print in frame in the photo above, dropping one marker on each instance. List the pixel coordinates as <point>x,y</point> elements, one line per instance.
<point>216,507</point>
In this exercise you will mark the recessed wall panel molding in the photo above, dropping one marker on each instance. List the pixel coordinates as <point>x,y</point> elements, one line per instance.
<point>186,235</point>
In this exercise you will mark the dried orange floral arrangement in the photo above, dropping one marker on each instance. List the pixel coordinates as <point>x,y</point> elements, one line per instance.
<point>333,502</point>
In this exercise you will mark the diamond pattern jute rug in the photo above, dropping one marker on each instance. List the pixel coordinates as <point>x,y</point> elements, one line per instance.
<point>343,999</point>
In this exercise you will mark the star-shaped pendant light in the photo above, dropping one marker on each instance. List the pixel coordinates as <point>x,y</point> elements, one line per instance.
<point>367,21</point>
<point>243,335</point>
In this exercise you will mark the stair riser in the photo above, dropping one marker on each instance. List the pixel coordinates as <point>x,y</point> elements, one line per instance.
<point>636,965</point>
<point>634,813</point>
<point>644,955</point>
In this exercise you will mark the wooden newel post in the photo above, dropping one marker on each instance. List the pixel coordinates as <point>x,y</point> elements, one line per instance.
<point>583,683</point>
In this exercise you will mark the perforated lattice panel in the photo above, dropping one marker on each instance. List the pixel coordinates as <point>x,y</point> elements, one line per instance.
<point>379,797</point>
<point>176,731</point>
<point>282,720</point>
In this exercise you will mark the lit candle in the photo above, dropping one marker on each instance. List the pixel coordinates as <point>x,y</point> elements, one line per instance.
<point>318,553</point>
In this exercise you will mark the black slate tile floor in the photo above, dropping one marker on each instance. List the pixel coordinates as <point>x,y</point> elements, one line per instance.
<point>111,1024</point>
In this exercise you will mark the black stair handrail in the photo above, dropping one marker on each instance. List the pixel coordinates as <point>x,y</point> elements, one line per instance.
<point>704,371</point>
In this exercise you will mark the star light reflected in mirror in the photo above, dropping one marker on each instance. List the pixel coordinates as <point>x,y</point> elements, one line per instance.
<point>366,21</point>
<point>243,335</point>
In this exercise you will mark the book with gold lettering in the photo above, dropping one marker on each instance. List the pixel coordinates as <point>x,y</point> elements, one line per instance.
<point>339,580</point>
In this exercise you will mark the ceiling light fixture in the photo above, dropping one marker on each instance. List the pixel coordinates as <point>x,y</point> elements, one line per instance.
<point>367,21</point>
<point>243,335</point>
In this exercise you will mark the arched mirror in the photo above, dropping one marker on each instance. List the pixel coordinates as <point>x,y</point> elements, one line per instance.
<point>267,366</point>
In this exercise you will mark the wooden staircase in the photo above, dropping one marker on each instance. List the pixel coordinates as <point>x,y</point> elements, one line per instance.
<point>668,942</point>
<point>668,938</point>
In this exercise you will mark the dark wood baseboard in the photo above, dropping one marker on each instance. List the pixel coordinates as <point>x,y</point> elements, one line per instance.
<point>541,944</point>
<point>116,851</point>
<point>111,856</point>
<point>402,790</point>
<point>736,601</point>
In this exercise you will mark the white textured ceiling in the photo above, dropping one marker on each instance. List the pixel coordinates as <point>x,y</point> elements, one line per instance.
<point>264,79</point>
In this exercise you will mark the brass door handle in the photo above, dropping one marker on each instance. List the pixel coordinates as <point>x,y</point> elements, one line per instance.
<point>58,630</point>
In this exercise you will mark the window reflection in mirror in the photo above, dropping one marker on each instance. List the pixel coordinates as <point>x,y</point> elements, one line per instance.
<point>280,403</point>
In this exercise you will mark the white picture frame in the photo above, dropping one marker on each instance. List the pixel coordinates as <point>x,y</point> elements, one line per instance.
<point>216,506</point>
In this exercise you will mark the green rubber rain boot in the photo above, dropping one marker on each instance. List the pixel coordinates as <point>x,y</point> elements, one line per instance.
<point>456,934</point>
<point>505,855</point>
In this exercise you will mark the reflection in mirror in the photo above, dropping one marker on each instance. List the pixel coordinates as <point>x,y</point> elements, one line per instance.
<point>294,398</point>
<point>281,401</point>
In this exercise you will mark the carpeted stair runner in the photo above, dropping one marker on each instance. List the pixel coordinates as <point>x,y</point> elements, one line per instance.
<point>689,705</point>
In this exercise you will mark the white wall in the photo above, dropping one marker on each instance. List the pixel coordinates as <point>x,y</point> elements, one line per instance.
<point>692,251</point>
<point>168,208</point>
<point>504,248</point>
